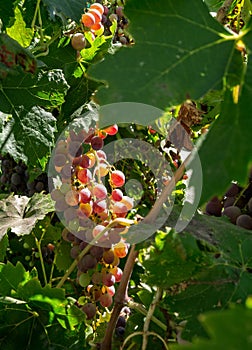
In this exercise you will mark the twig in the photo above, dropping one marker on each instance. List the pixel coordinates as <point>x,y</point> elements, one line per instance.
<point>149,315</point>
<point>223,11</point>
<point>120,299</point>
<point>141,333</point>
<point>143,311</point>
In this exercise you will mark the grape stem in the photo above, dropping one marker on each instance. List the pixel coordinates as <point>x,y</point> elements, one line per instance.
<point>121,296</point>
<point>38,244</point>
<point>86,249</point>
<point>157,297</point>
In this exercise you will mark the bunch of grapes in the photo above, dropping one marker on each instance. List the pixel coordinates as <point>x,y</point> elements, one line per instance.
<point>236,204</point>
<point>90,201</point>
<point>15,178</point>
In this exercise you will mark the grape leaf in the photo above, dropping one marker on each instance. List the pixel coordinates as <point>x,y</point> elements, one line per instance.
<point>73,9</point>
<point>20,214</point>
<point>11,277</point>
<point>4,243</point>
<point>18,31</point>
<point>226,278</point>
<point>169,56</point>
<point>63,258</point>
<point>230,329</point>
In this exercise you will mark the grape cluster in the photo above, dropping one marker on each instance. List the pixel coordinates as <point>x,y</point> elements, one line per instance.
<point>236,204</point>
<point>15,178</point>
<point>91,203</point>
<point>121,322</point>
<point>92,19</point>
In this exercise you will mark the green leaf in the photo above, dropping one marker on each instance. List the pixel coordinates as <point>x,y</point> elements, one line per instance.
<point>4,243</point>
<point>11,277</point>
<point>172,58</point>
<point>20,214</point>
<point>19,32</point>
<point>63,258</point>
<point>179,258</point>
<point>226,153</point>
<point>225,279</point>
<point>73,9</point>
<point>230,329</point>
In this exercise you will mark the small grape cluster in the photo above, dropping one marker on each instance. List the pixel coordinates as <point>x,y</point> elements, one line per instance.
<point>236,204</point>
<point>15,178</point>
<point>121,322</point>
<point>91,203</point>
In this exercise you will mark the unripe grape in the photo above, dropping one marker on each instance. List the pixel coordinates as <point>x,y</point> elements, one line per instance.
<point>78,41</point>
<point>113,17</point>
<point>102,170</point>
<point>97,277</point>
<point>85,209</point>
<point>117,178</point>
<point>84,280</point>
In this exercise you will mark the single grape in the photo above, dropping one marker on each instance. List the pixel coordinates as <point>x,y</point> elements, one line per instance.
<point>67,235</point>
<point>90,310</point>
<point>84,195</point>
<point>120,331</point>
<point>128,201</point>
<point>100,206</point>
<point>111,130</point>
<point>66,171</point>
<point>121,322</point>
<point>59,159</point>
<point>75,251</point>
<point>85,161</point>
<point>117,178</point>
<point>232,213</point>
<point>97,277</point>
<point>72,198</point>
<point>84,280</point>
<point>121,249</point>
<point>97,15</point>
<point>16,179</point>
<point>98,7</point>
<point>117,272</point>
<point>97,230</point>
<point>87,262</point>
<point>229,201</point>
<point>123,40</point>
<point>88,19</point>
<point>119,209</point>
<point>250,206</point>
<point>214,207</point>
<point>85,209</point>
<point>113,17</point>
<point>102,170</point>
<point>97,143</point>
<point>108,256</point>
<point>95,292</point>
<point>70,214</point>
<point>106,300</point>
<point>84,175</point>
<point>78,41</point>
<point>97,252</point>
<point>117,195</point>
<point>244,221</point>
<point>101,154</point>
<point>233,190</point>
<point>100,191</point>
<point>40,186</point>
<point>119,11</point>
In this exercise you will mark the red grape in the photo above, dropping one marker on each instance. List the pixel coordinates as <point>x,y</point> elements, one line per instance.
<point>106,300</point>
<point>78,41</point>
<point>100,191</point>
<point>117,178</point>
<point>84,195</point>
<point>117,195</point>
<point>111,130</point>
